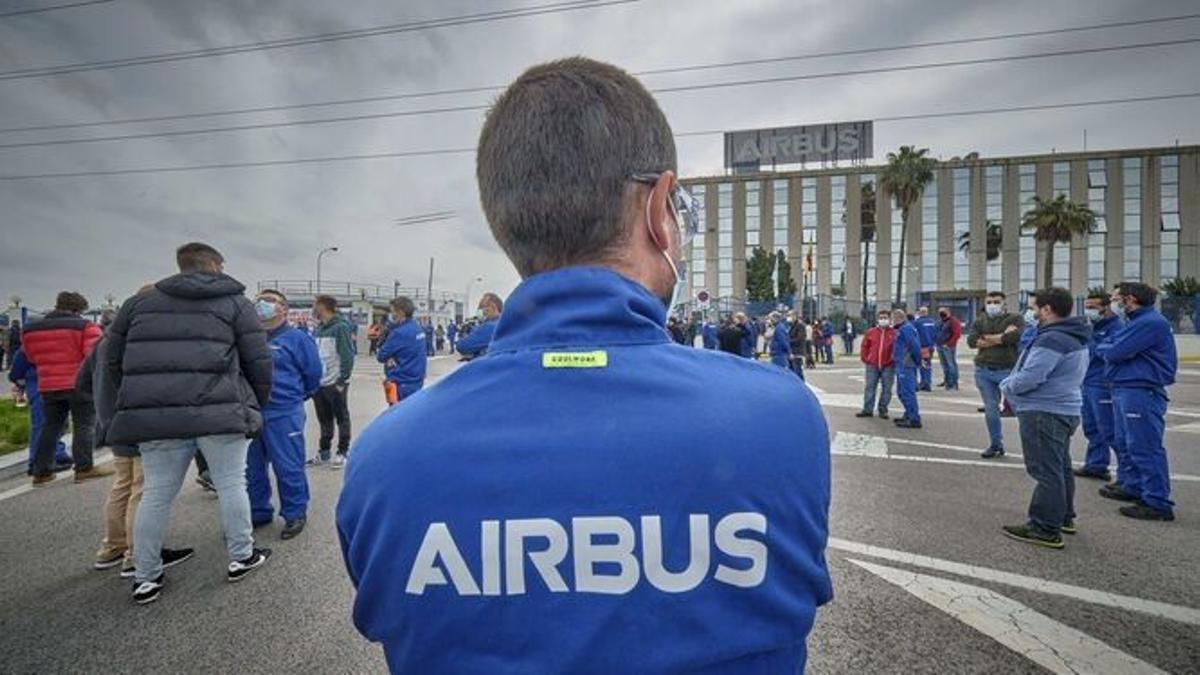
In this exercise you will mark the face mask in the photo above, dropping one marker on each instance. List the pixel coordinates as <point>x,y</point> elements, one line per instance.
<point>1093,315</point>
<point>945,317</point>
<point>678,269</point>
<point>265,310</point>
<point>992,310</point>
<point>1030,316</point>
<point>1118,308</point>
<point>884,323</point>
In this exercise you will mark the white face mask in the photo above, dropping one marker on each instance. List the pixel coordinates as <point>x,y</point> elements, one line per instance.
<point>992,309</point>
<point>1030,315</point>
<point>1118,309</point>
<point>884,323</point>
<point>1093,314</point>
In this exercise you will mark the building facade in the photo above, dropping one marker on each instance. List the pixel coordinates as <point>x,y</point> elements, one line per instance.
<point>1147,203</point>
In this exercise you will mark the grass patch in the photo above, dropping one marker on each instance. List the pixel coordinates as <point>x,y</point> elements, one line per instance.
<point>14,427</point>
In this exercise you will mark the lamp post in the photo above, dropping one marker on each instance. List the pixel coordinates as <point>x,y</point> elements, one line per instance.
<point>467,295</point>
<point>331,249</point>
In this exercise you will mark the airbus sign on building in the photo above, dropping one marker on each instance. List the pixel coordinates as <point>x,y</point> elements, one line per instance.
<point>752,148</point>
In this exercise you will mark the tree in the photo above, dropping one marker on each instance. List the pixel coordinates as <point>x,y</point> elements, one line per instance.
<point>867,230</point>
<point>758,276</point>
<point>995,239</point>
<point>904,179</point>
<point>783,276</point>
<point>1056,221</point>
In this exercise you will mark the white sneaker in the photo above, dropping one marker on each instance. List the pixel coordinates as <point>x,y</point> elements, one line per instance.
<point>339,461</point>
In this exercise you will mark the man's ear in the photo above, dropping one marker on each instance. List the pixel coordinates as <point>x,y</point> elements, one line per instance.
<point>659,215</point>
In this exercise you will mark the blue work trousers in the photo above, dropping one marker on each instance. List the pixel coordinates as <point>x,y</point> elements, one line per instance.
<point>1139,416</point>
<point>281,445</point>
<point>988,380</point>
<point>926,370</point>
<point>906,391</point>
<point>949,358</point>
<point>1097,427</point>
<point>781,360</point>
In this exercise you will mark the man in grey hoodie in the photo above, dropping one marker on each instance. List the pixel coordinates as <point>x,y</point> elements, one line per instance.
<point>1045,390</point>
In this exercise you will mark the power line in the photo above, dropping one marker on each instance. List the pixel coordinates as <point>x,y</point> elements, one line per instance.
<point>425,221</point>
<point>457,151</point>
<point>425,217</point>
<point>39,10</point>
<point>660,90</point>
<point>170,57</point>
<point>679,69</point>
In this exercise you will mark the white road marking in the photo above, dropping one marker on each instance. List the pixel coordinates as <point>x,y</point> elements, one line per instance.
<point>859,444</point>
<point>1192,428</point>
<point>1154,608</point>
<point>1049,643</point>
<point>99,458</point>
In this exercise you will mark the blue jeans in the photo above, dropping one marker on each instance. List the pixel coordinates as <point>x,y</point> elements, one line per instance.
<point>1138,414</point>
<point>36,419</point>
<point>848,343</point>
<point>906,390</point>
<point>987,380</point>
<point>281,444</point>
<point>1046,446</point>
<point>949,358</point>
<point>1097,427</point>
<point>164,465</point>
<point>883,378</point>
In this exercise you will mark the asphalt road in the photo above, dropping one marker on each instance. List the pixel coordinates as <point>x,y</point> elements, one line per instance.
<point>924,581</point>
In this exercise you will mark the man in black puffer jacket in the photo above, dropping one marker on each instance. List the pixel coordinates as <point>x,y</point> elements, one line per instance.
<point>192,370</point>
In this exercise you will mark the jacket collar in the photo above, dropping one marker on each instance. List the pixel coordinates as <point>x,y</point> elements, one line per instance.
<point>579,306</point>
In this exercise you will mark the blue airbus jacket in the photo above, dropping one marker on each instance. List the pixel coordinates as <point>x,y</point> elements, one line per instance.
<point>927,330</point>
<point>569,533</point>
<point>749,339</point>
<point>1049,374</point>
<point>708,333</point>
<point>451,331</point>
<point>404,354</point>
<point>1028,333</point>
<point>297,370</point>
<point>20,369</point>
<point>781,343</point>
<point>476,342</point>
<point>906,350</point>
<point>1142,354</point>
<point>1101,330</point>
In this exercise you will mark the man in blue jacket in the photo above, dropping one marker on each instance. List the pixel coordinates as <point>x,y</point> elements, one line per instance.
<point>296,376</point>
<point>574,536</point>
<point>403,353</point>
<point>906,355</point>
<point>477,341</point>
<point>708,333</point>
<point>927,330</point>
<point>781,343</point>
<point>452,335</point>
<point>1044,390</point>
<point>749,335</point>
<point>1141,362</point>
<point>24,377</point>
<point>1097,394</point>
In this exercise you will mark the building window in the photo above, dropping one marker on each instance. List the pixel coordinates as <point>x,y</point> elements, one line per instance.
<point>1131,168</point>
<point>1169,202</point>
<point>808,221</point>
<point>929,236</point>
<point>1097,201</point>
<point>1061,185</point>
<point>993,198</point>
<point>962,224</point>
<point>837,233</point>
<point>1027,175</point>
<point>780,226</point>
<point>753,217</point>
<point>724,240</point>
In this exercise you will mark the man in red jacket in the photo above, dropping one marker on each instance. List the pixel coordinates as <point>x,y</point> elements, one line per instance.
<point>876,354</point>
<point>56,346</point>
<point>949,332</point>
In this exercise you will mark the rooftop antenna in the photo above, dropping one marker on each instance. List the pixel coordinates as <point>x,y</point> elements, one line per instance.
<point>1085,139</point>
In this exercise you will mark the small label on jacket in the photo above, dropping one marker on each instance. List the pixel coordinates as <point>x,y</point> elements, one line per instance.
<point>575,359</point>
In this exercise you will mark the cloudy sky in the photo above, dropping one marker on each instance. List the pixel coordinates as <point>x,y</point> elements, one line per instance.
<point>110,234</point>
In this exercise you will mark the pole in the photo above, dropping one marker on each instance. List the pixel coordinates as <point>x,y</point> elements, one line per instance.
<point>330,249</point>
<point>429,290</point>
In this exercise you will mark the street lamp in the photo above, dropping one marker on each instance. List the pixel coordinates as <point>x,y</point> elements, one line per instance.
<point>467,295</point>
<point>331,249</point>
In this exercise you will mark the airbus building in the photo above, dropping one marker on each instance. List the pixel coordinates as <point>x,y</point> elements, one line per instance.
<point>964,236</point>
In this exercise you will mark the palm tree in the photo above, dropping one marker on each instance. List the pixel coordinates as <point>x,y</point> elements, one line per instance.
<point>995,239</point>
<point>904,178</point>
<point>866,230</point>
<point>1056,221</point>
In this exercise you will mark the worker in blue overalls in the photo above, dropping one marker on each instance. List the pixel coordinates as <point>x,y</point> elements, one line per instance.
<point>906,355</point>
<point>452,335</point>
<point>403,354</point>
<point>1097,394</point>
<point>749,335</point>
<point>927,331</point>
<point>708,333</point>
<point>296,377</point>
<point>1141,362</point>
<point>476,343</point>
<point>24,378</point>
<point>781,342</point>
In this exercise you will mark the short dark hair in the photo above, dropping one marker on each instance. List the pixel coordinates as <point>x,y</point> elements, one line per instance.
<point>195,256</point>
<point>272,291</point>
<point>494,299</point>
<point>1057,298</point>
<point>997,294</point>
<point>327,301</point>
<point>554,160</point>
<point>70,301</point>
<point>1099,294</point>
<point>1145,294</point>
<point>404,305</point>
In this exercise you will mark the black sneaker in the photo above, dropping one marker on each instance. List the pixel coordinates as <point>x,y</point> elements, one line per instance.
<point>981,409</point>
<point>128,571</point>
<point>864,413</point>
<point>1142,512</point>
<point>63,466</point>
<point>292,528</point>
<point>108,563</point>
<point>238,569</point>
<point>204,482</point>
<point>1084,472</point>
<point>174,556</point>
<point>905,423</point>
<point>1114,491</point>
<point>992,452</point>
<point>148,591</point>
<point>1068,527</point>
<point>1029,535</point>
<point>883,414</point>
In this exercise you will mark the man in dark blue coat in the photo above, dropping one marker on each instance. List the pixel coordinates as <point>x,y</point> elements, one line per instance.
<point>1141,362</point>
<point>403,353</point>
<point>477,341</point>
<point>906,355</point>
<point>567,532</point>
<point>296,376</point>
<point>781,343</point>
<point>927,330</point>
<point>708,333</point>
<point>1097,393</point>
